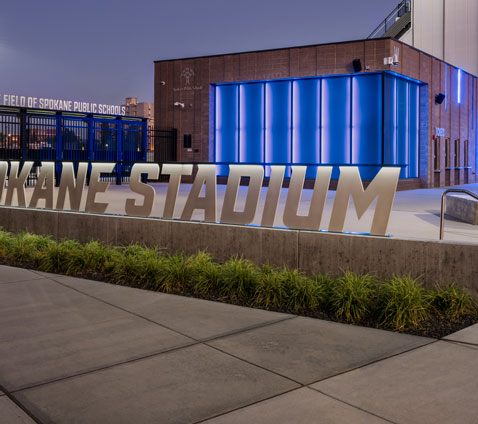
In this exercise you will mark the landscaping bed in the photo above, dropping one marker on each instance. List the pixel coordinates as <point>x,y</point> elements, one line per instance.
<point>398,304</point>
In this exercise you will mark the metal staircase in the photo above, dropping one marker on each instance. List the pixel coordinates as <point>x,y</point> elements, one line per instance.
<point>396,23</point>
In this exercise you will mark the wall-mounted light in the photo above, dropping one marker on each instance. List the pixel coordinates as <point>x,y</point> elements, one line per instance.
<point>179,104</point>
<point>439,98</point>
<point>357,65</point>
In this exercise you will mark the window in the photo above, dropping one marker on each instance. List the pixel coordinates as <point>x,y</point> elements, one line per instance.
<point>436,153</point>
<point>465,148</point>
<point>447,153</point>
<point>457,153</point>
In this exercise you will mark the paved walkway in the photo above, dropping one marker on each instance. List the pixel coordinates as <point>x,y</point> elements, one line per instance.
<point>79,351</point>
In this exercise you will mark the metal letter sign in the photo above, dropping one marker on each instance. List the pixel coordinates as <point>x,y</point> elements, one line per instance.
<point>382,188</point>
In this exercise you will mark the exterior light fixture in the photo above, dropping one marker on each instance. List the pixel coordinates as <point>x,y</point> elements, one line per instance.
<point>459,86</point>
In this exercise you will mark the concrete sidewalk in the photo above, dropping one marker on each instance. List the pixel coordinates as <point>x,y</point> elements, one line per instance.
<point>74,350</point>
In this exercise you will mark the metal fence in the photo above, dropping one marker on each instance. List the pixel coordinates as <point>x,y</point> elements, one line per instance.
<point>39,135</point>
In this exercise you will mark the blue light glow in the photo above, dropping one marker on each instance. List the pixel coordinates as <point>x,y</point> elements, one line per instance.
<point>366,119</point>
<point>459,86</point>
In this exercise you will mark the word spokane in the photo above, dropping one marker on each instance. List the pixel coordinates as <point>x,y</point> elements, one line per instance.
<point>382,187</point>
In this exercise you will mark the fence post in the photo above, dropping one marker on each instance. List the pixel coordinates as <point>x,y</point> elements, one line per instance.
<point>119,149</point>
<point>91,140</point>
<point>23,136</point>
<point>59,147</point>
<point>145,140</point>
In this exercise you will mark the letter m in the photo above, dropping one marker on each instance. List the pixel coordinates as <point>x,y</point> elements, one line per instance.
<point>383,187</point>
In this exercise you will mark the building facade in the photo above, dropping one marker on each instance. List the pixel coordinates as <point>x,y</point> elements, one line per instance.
<point>187,92</point>
<point>141,110</point>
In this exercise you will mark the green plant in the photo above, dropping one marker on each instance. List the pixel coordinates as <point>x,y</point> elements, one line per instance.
<point>452,300</point>
<point>6,242</point>
<point>206,274</point>
<point>238,279</point>
<point>26,247</point>
<point>403,303</point>
<point>325,290</point>
<point>302,292</point>
<point>353,296</point>
<point>176,273</point>
<point>270,290</point>
<point>135,264</point>
<point>91,257</point>
<point>57,256</point>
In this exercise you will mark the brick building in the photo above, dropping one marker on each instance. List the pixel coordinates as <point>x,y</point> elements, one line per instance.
<point>143,109</point>
<point>185,98</point>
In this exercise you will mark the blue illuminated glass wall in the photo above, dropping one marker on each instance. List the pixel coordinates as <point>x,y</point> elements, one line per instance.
<point>363,119</point>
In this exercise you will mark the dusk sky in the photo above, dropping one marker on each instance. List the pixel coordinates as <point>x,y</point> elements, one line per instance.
<point>103,50</point>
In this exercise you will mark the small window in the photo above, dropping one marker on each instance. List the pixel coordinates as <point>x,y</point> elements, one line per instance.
<point>457,153</point>
<point>436,154</point>
<point>187,141</point>
<point>447,153</point>
<point>465,153</point>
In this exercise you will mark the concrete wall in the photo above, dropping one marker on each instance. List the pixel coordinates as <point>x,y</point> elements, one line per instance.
<point>427,27</point>
<point>448,30</point>
<point>461,34</point>
<point>432,261</point>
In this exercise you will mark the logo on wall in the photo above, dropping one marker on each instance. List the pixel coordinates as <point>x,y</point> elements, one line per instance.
<point>187,74</point>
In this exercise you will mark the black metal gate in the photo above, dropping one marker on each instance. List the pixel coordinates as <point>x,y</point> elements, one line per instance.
<point>162,144</point>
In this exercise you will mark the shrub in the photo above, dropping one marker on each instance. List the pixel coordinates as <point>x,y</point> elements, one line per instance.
<point>206,274</point>
<point>302,292</point>
<point>177,272</point>
<point>6,242</point>
<point>135,265</point>
<point>270,290</point>
<point>403,303</point>
<point>452,301</point>
<point>26,247</point>
<point>92,257</point>
<point>325,290</point>
<point>238,279</point>
<point>353,296</point>
<point>57,257</point>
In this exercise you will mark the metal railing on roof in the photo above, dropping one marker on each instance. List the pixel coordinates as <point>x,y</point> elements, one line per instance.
<point>402,8</point>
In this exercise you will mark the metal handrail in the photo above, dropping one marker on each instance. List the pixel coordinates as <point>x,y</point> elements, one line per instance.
<point>443,199</point>
<point>403,7</point>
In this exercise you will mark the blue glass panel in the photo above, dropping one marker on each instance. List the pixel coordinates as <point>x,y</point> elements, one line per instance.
<point>390,120</point>
<point>226,125</point>
<point>306,123</point>
<point>278,122</point>
<point>367,123</point>
<point>402,125</point>
<point>335,134</point>
<point>413,134</point>
<point>251,117</point>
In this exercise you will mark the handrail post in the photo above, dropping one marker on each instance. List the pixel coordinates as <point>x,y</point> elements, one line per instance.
<point>443,200</point>
<point>442,216</point>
